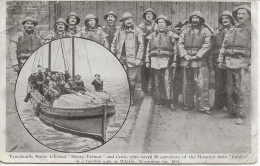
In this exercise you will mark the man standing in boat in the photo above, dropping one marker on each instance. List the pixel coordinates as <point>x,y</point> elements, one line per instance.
<point>128,46</point>
<point>73,20</point>
<point>92,32</point>
<point>98,83</point>
<point>23,43</point>
<point>148,26</point>
<point>194,46</point>
<point>111,26</point>
<point>226,20</point>
<point>60,30</point>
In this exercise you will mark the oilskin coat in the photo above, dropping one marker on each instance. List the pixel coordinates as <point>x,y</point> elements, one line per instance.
<point>235,55</point>
<point>110,31</point>
<point>147,28</point>
<point>133,39</point>
<point>95,35</point>
<point>161,55</point>
<point>195,42</point>
<point>22,46</point>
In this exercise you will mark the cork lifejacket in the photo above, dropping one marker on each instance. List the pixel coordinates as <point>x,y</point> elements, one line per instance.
<point>193,42</point>
<point>238,47</point>
<point>238,42</point>
<point>27,44</point>
<point>161,49</point>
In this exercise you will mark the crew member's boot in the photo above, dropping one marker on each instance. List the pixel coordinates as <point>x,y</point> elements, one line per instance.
<point>27,97</point>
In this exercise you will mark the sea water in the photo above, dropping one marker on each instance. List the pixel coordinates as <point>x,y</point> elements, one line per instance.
<point>67,142</point>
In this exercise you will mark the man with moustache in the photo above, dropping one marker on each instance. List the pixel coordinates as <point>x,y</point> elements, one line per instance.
<point>73,20</point>
<point>23,43</point>
<point>60,30</point>
<point>128,46</point>
<point>226,21</point>
<point>111,26</point>
<point>194,45</point>
<point>235,56</point>
<point>92,32</point>
<point>148,26</point>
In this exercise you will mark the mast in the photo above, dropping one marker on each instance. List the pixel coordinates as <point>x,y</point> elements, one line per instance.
<point>49,57</point>
<point>73,58</point>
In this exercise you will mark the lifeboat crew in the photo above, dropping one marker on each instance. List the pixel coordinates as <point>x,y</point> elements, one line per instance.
<point>92,32</point>
<point>40,77</point>
<point>161,58</point>
<point>69,87</point>
<point>32,84</point>
<point>60,30</point>
<point>23,43</point>
<point>226,21</point>
<point>148,26</point>
<point>235,56</point>
<point>111,26</point>
<point>53,90</point>
<point>73,20</point>
<point>79,83</point>
<point>128,46</point>
<point>194,46</point>
<point>67,75</point>
<point>98,83</point>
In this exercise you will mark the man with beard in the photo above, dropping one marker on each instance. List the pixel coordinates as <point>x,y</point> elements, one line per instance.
<point>194,45</point>
<point>111,27</point>
<point>226,21</point>
<point>23,43</point>
<point>92,32</point>
<point>235,55</point>
<point>73,20</point>
<point>148,26</point>
<point>60,30</point>
<point>128,46</point>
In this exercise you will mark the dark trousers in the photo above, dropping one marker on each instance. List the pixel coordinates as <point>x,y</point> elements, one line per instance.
<point>177,84</point>
<point>220,88</point>
<point>238,91</point>
<point>196,82</point>
<point>145,76</point>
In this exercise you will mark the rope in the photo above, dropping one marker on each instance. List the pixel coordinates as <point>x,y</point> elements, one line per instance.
<point>88,60</point>
<point>63,54</point>
<point>34,60</point>
<point>56,55</point>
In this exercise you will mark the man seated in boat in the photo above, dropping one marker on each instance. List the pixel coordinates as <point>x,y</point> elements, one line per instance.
<point>79,83</point>
<point>52,92</point>
<point>69,87</point>
<point>32,84</point>
<point>60,77</point>
<point>67,75</point>
<point>98,83</point>
<point>40,77</point>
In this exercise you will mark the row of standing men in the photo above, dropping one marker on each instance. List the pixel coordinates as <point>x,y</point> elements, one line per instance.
<point>172,62</point>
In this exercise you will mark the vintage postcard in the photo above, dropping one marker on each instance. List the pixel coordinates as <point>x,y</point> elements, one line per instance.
<point>129,82</point>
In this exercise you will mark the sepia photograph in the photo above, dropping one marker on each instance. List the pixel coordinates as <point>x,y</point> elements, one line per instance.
<point>131,82</point>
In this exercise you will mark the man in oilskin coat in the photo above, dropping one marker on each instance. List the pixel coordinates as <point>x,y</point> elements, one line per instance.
<point>235,56</point>
<point>23,43</point>
<point>194,45</point>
